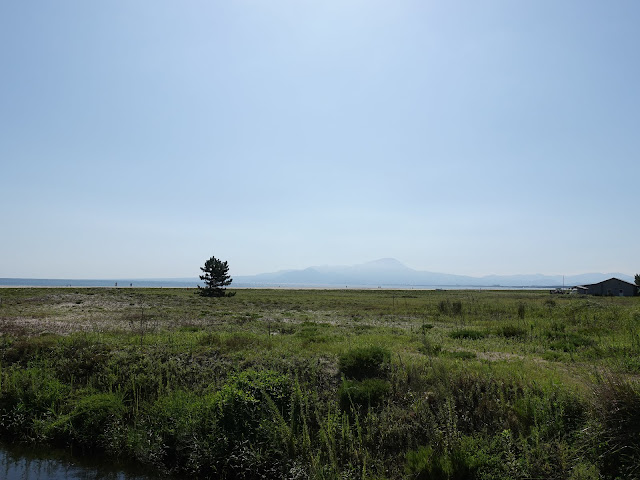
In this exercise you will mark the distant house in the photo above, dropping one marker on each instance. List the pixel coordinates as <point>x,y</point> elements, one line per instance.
<point>612,287</point>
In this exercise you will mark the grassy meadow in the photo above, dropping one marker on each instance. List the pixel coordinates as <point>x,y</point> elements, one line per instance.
<point>328,384</point>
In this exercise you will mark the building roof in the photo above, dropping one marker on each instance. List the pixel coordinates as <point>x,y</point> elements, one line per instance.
<point>608,280</point>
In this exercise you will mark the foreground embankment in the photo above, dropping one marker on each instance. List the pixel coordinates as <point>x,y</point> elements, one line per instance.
<point>327,384</point>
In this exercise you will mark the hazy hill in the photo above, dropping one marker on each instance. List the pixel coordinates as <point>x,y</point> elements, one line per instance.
<point>389,272</point>
<point>383,272</point>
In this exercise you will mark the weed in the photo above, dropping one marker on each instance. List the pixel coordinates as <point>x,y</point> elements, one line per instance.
<point>618,403</point>
<point>429,347</point>
<point>366,393</point>
<point>365,362</point>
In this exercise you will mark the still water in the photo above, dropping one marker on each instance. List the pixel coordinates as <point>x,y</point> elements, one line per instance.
<point>28,463</point>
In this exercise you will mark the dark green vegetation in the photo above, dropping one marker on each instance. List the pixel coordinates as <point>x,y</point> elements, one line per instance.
<point>215,275</point>
<point>328,384</point>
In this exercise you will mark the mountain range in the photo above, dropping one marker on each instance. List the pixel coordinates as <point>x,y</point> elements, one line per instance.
<point>391,272</point>
<point>385,272</point>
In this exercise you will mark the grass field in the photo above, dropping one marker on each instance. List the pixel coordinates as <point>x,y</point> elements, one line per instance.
<point>328,383</point>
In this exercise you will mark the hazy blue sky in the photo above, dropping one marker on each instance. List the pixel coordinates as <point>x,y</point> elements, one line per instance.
<point>138,138</point>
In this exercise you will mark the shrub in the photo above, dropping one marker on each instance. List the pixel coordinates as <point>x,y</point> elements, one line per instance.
<point>462,355</point>
<point>512,331</point>
<point>242,403</point>
<point>250,433</point>
<point>22,350</point>
<point>425,327</point>
<point>178,420</point>
<point>366,362</point>
<point>236,432</point>
<point>369,392</point>
<point>312,333</point>
<point>447,307</point>
<point>33,389</point>
<point>570,342</point>
<point>444,306</point>
<point>456,307</point>
<point>468,334</point>
<point>79,359</point>
<point>94,416</point>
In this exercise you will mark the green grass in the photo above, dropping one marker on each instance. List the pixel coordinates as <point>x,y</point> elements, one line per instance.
<point>327,383</point>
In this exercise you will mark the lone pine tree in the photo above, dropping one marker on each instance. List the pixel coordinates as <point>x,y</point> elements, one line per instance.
<point>216,278</point>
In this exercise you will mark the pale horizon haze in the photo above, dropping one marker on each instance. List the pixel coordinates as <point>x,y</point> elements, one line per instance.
<point>138,139</point>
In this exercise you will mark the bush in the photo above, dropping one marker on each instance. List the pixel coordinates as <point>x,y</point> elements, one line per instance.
<point>456,307</point>
<point>23,350</point>
<point>570,342</point>
<point>93,417</point>
<point>29,401</point>
<point>310,332</point>
<point>444,306</point>
<point>33,389</point>
<point>468,334</point>
<point>80,359</point>
<point>425,327</point>
<point>447,307</point>
<point>462,355</point>
<point>512,331</point>
<point>363,394</point>
<point>366,362</point>
<point>244,400</point>
<point>179,421</point>
<point>236,432</point>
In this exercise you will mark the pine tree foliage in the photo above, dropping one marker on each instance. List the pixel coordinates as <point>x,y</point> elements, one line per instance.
<point>215,275</point>
<point>638,279</point>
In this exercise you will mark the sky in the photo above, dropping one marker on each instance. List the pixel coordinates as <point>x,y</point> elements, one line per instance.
<point>140,138</point>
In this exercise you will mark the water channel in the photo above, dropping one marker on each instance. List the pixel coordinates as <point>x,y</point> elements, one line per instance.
<point>20,462</point>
